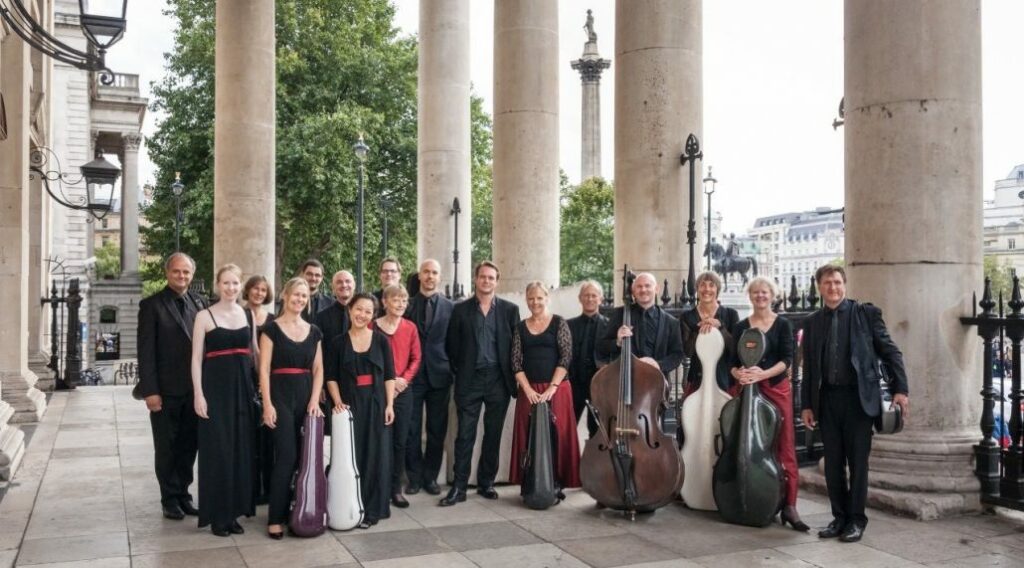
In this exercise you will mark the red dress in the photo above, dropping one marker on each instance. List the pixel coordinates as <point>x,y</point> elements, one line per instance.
<point>538,355</point>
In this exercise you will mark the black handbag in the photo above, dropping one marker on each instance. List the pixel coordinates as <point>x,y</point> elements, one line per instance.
<point>890,417</point>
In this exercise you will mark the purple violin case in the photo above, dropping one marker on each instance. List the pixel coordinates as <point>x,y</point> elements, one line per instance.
<point>309,511</point>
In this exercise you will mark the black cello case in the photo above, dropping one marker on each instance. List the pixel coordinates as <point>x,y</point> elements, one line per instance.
<point>539,488</point>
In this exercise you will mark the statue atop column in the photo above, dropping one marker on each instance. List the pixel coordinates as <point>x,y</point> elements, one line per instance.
<point>590,65</point>
<point>589,27</point>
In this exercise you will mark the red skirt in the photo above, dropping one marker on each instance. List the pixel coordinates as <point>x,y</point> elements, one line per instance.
<point>781,396</point>
<point>567,462</point>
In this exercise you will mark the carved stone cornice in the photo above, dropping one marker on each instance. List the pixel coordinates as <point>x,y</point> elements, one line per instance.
<point>131,141</point>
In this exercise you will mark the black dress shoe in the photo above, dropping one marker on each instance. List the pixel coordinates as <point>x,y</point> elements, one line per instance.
<point>833,530</point>
<point>454,496</point>
<point>487,492</point>
<point>432,487</point>
<point>220,531</point>
<point>412,488</point>
<point>853,533</point>
<point>276,535</point>
<point>189,509</point>
<point>398,501</point>
<point>236,528</point>
<point>173,512</point>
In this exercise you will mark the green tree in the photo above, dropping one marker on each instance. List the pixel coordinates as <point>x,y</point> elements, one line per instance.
<point>588,231</point>
<point>108,261</point>
<point>1001,275</point>
<point>342,70</point>
<point>482,182</point>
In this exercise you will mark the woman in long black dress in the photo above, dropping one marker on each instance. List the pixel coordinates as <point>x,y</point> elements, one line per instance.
<point>708,314</point>
<point>291,378</point>
<point>362,377</point>
<point>222,346</point>
<point>256,294</point>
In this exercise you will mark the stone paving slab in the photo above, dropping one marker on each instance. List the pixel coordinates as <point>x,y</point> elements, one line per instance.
<point>86,497</point>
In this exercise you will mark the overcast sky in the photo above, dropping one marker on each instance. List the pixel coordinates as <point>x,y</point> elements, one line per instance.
<point>773,77</point>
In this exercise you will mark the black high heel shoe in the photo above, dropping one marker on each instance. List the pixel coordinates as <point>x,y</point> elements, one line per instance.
<point>275,535</point>
<point>789,515</point>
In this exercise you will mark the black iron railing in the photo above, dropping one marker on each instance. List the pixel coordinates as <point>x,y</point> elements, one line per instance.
<point>999,455</point>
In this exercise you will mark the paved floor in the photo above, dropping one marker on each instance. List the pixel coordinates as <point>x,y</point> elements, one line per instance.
<point>85,496</point>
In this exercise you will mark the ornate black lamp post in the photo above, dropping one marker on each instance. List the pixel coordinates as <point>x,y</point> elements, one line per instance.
<point>99,177</point>
<point>177,188</point>
<point>691,155</point>
<point>101,27</point>
<point>455,211</point>
<point>361,149</point>
<point>709,189</point>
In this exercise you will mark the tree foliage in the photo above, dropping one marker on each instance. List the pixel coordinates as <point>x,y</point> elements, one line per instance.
<point>482,182</point>
<point>1001,275</point>
<point>588,231</point>
<point>108,261</point>
<point>342,70</point>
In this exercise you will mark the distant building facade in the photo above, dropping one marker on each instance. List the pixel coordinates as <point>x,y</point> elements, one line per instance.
<point>1004,221</point>
<point>796,243</point>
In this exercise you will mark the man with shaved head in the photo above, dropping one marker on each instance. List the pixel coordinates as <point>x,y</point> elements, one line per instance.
<point>430,311</point>
<point>333,321</point>
<point>657,340</point>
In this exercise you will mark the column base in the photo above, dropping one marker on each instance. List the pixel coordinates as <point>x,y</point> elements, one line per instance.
<point>916,474</point>
<point>38,364</point>
<point>19,391</point>
<point>12,443</point>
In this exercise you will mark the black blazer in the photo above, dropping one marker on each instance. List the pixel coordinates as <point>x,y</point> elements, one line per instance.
<point>435,368</point>
<point>585,364</point>
<point>868,337</point>
<point>668,344</point>
<point>165,345</point>
<point>320,302</point>
<point>460,344</point>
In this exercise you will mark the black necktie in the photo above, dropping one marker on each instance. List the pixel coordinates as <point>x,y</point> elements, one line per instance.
<point>181,306</point>
<point>833,348</point>
<point>430,313</point>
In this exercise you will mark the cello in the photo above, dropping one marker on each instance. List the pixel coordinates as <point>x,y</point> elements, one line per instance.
<point>630,464</point>
<point>748,477</point>
<point>700,425</point>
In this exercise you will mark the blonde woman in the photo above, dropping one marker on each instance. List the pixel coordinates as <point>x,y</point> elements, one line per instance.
<point>291,378</point>
<point>222,346</point>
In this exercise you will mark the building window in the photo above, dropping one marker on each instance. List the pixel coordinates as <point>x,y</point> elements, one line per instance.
<point>1011,244</point>
<point>103,223</point>
<point>108,314</point>
<point>104,240</point>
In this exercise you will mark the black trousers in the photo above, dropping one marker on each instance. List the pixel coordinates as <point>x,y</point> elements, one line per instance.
<point>400,436</point>
<point>176,442</point>
<point>290,396</point>
<point>580,395</point>
<point>489,392</point>
<point>846,434</point>
<point>424,465</point>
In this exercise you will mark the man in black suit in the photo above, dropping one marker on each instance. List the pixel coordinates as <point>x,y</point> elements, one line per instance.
<point>479,347</point>
<point>842,344</point>
<point>165,382</point>
<point>431,312</point>
<point>313,271</point>
<point>333,321</point>
<point>586,328</point>
<point>658,341</point>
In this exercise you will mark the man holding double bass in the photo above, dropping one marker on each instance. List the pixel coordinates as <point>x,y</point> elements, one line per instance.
<point>657,339</point>
<point>843,344</point>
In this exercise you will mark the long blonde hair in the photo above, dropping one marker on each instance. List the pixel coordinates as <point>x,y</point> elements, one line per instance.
<point>290,287</point>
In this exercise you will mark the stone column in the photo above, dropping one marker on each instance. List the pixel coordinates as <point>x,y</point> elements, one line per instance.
<point>914,159</point>
<point>526,208</point>
<point>658,103</point>
<point>443,145</point>
<point>15,378</point>
<point>38,282</point>
<point>590,67</point>
<point>244,137</point>
<point>130,206</point>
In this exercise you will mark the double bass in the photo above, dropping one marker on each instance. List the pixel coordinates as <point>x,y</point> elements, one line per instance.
<point>748,477</point>
<point>630,464</point>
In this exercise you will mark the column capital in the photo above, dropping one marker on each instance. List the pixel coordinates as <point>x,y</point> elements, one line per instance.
<point>132,141</point>
<point>591,69</point>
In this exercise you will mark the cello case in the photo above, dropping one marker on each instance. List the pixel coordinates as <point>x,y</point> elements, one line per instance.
<point>701,426</point>
<point>344,498</point>
<point>748,478</point>
<point>539,489</point>
<point>309,511</point>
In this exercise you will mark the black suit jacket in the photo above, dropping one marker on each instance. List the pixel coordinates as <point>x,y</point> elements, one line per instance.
<point>868,337</point>
<point>333,321</point>
<point>165,344</point>
<point>435,368</point>
<point>668,344</point>
<point>461,347</point>
<point>585,364</point>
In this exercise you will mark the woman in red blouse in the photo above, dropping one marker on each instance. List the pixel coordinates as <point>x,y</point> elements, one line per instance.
<point>405,345</point>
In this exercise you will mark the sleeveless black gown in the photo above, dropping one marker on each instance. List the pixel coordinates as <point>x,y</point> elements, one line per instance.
<point>225,439</point>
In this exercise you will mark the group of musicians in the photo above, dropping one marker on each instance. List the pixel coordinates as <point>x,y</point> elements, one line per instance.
<point>395,360</point>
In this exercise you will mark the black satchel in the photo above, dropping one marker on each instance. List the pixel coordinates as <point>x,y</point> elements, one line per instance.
<point>890,417</point>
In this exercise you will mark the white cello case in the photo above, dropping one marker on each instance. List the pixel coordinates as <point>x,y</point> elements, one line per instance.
<point>344,499</point>
<point>701,426</point>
